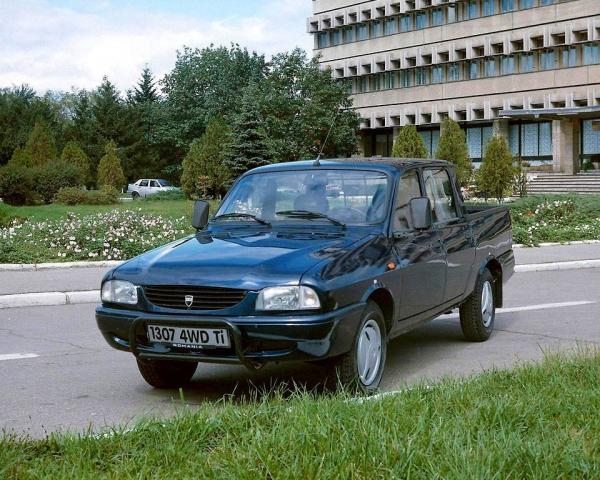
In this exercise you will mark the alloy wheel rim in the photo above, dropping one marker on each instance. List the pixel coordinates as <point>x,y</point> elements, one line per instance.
<point>487,304</point>
<point>368,352</point>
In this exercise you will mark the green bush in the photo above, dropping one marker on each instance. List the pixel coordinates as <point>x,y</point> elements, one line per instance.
<point>409,143</point>
<point>110,171</point>
<point>5,218</point>
<point>453,148</point>
<point>168,195</point>
<point>16,183</point>
<point>72,153</point>
<point>495,176</point>
<point>48,179</point>
<point>76,196</point>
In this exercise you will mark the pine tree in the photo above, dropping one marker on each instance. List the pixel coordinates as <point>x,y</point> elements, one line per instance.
<point>249,147</point>
<point>110,172</point>
<point>145,91</point>
<point>40,147</point>
<point>495,175</point>
<point>409,144</point>
<point>72,153</point>
<point>453,148</point>
<point>204,169</point>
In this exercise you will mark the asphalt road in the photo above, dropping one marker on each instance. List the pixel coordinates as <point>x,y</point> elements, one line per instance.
<point>75,380</point>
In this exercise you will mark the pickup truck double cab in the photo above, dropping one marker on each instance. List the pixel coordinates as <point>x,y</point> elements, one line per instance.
<point>146,187</point>
<point>285,271</point>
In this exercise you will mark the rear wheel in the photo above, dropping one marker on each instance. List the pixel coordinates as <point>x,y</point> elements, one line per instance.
<point>362,367</point>
<point>135,195</point>
<point>166,373</point>
<point>478,313</point>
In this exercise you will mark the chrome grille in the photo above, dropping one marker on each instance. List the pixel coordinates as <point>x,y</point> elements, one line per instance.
<point>204,298</point>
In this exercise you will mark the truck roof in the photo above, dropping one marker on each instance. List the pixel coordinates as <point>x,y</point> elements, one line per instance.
<point>384,163</point>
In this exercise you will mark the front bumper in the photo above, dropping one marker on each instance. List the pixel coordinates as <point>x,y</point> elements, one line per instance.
<point>255,339</point>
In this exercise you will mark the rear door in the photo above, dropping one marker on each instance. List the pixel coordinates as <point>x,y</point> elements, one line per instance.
<point>455,233</point>
<point>421,266</point>
<point>143,189</point>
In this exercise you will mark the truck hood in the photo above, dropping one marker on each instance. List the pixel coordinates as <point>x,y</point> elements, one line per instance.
<point>250,260</point>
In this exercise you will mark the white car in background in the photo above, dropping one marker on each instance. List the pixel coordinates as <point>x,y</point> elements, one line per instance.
<point>149,186</point>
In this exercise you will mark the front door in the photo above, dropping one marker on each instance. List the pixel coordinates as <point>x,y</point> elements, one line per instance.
<point>421,264</point>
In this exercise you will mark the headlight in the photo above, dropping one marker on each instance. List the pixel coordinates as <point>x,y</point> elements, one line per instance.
<point>119,291</point>
<point>288,298</point>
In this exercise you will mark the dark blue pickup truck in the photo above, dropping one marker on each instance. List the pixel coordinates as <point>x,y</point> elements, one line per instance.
<point>312,261</point>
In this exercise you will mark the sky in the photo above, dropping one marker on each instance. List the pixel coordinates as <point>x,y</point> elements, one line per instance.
<point>64,44</point>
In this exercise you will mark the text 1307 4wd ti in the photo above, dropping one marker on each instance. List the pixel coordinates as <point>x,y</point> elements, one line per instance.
<point>312,261</point>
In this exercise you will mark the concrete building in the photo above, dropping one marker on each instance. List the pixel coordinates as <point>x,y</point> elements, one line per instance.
<point>528,69</point>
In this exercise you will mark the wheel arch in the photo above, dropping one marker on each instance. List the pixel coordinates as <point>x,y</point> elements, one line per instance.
<point>495,269</point>
<point>384,300</point>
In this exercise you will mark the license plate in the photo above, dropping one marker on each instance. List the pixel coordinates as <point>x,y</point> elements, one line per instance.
<point>189,337</point>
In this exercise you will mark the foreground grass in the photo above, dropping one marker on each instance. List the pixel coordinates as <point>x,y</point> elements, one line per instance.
<point>539,421</point>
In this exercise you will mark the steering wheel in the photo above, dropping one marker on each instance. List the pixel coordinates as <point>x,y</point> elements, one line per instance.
<point>347,214</point>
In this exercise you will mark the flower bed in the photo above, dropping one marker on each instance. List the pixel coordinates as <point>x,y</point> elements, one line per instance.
<point>116,235</point>
<point>555,220</point>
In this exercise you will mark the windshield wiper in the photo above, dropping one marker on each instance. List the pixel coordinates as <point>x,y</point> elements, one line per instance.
<point>242,215</point>
<point>309,215</point>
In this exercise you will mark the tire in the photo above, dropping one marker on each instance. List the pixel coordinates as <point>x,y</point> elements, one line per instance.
<point>166,373</point>
<point>349,371</point>
<point>478,313</point>
<point>135,195</point>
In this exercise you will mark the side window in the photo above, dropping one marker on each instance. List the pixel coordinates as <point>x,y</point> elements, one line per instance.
<point>153,183</point>
<point>438,188</point>
<point>144,183</point>
<point>408,188</point>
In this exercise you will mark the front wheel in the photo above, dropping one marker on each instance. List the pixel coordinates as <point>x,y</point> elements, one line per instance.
<point>362,367</point>
<point>135,195</point>
<point>478,313</point>
<point>166,373</point>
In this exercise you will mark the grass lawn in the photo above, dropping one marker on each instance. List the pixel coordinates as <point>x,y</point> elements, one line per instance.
<point>538,421</point>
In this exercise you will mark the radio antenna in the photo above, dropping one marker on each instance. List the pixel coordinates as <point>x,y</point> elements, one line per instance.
<point>318,159</point>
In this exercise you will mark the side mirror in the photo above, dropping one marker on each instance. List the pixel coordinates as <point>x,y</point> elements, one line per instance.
<point>200,216</point>
<point>420,212</point>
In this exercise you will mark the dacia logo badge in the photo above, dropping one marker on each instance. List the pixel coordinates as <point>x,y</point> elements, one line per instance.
<point>189,300</point>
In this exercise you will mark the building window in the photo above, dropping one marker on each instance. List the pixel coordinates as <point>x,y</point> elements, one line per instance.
<point>406,78</point>
<point>453,72</point>
<point>508,65</point>
<point>488,7</point>
<point>437,16</point>
<point>431,138</point>
<point>508,5</point>
<point>474,72</point>
<point>536,139</point>
<point>391,25</point>
<point>405,23</point>
<point>548,60</point>
<point>591,54</point>
<point>437,74</point>
<point>569,57</point>
<point>362,31</point>
<point>546,2</point>
<point>472,10</point>
<point>322,40</point>
<point>528,3</point>
<point>389,80</point>
<point>375,83</point>
<point>477,139</point>
<point>527,62</point>
<point>376,29</point>
<point>348,34</point>
<point>591,138</point>
<point>363,84</point>
<point>490,67</point>
<point>422,76</point>
<point>336,37</point>
<point>421,20</point>
<point>452,17</point>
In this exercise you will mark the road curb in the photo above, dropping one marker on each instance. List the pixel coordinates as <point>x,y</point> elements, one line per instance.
<point>30,267</point>
<point>558,244</point>
<point>50,299</point>
<point>557,266</point>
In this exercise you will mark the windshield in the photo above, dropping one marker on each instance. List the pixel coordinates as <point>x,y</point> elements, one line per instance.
<point>351,197</point>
